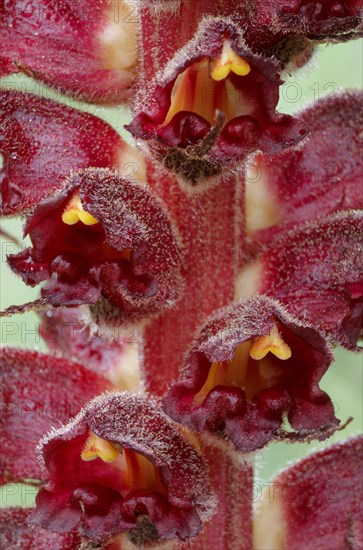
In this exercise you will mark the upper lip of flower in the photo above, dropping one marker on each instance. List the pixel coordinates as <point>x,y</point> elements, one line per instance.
<point>91,48</point>
<point>317,267</point>
<point>62,139</point>
<point>319,177</point>
<point>56,389</point>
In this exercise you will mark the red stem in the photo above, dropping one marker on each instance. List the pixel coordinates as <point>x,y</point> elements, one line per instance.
<point>209,225</point>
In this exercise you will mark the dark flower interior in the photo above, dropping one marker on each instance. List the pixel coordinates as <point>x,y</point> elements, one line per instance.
<point>103,489</point>
<point>270,379</point>
<point>216,107</point>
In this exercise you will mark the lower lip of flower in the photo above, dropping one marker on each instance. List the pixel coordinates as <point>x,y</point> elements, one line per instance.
<point>251,368</point>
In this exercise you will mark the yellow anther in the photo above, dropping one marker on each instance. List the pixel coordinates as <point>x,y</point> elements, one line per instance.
<point>96,447</point>
<point>74,212</point>
<point>228,61</point>
<point>273,343</point>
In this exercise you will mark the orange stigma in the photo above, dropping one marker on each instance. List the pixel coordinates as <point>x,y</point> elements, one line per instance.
<point>271,342</point>
<point>74,212</point>
<point>228,61</point>
<point>96,447</point>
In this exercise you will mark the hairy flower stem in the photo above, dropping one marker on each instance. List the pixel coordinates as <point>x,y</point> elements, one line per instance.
<point>230,527</point>
<point>210,225</point>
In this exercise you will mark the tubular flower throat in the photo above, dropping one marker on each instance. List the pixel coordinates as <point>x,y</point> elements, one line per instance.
<point>214,104</point>
<point>121,465</point>
<point>253,366</point>
<point>92,240</point>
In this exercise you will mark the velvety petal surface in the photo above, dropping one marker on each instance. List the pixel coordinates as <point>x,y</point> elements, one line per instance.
<point>328,20</point>
<point>38,391</point>
<point>90,47</point>
<point>42,141</point>
<point>16,533</point>
<point>316,270</point>
<point>125,252</point>
<point>253,365</point>
<point>285,28</point>
<point>316,503</point>
<point>111,351</point>
<point>323,176</point>
<point>153,484</point>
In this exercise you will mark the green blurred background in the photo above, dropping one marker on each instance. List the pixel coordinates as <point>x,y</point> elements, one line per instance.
<point>333,68</point>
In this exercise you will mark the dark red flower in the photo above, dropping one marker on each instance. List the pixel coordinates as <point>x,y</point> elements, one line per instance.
<point>102,236</point>
<point>316,503</point>
<point>42,141</point>
<point>329,20</point>
<point>38,391</point>
<point>121,465</point>
<point>16,533</point>
<point>111,351</point>
<point>289,29</point>
<point>90,47</point>
<point>323,176</point>
<point>316,271</point>
<point>214,103</point>
<point>252,366</point>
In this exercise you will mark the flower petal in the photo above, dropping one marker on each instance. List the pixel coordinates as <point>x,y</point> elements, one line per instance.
<point>328,21</point>
<point>38,391</point>
<point>155,474</point>
<point>91,48</point>
<point>16,533</point>
<point>252,365</point>
<point>107,350</point>
<point>213,104</point>
<point>316,503</point>
<point>316,270</point>
<point>128,254</point>
<point>42,142</point>
<point>288,29</point>
<point>322,177</point>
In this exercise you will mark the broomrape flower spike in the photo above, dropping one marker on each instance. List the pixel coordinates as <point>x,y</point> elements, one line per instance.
<point>186,330</point>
